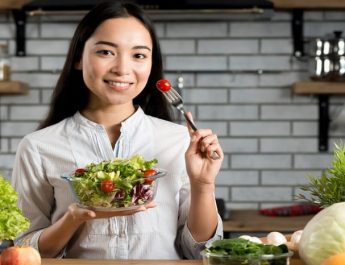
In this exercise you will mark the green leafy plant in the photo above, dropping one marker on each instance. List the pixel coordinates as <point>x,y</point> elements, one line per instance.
<point>329,188</point>
<point>236,251</point>
<point>12,220</point>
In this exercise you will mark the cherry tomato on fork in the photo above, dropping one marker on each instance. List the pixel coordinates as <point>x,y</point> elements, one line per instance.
<point>163,85</point>
<point>107,185</point>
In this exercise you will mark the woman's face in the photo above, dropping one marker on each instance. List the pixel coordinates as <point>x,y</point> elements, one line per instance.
<point>116,62</point>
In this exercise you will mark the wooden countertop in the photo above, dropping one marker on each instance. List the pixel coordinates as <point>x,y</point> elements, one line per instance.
<point>118,262</point>
<point>253,221</point>
<point>132,262</point>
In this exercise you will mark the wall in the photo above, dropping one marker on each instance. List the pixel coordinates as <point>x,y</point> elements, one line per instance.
<point>237,80</point>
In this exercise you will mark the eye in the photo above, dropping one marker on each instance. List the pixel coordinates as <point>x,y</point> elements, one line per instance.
<point>104,52</point>
<point>140,56</point>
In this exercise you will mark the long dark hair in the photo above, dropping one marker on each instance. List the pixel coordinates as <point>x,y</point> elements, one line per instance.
<point>71,94</point>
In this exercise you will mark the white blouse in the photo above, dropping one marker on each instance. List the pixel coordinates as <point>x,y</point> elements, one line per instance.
<point>158,233</point>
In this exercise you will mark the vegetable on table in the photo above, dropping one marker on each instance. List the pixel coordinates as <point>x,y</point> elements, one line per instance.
<point>276,238</point>
<point>242,251</point>
<point>12,220</point>
<point>20,256</point>
<point>324,235</point>
<point>330,187</point>
<point>338,259</point>
<point>295,238</point>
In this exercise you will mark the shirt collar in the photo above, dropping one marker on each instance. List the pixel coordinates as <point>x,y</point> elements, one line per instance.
<point>126,126</point>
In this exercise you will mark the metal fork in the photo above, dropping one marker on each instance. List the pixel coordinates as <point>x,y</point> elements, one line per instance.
<point>174,98</point>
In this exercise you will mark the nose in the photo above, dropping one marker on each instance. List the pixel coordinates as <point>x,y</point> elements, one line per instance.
<point>121,66</point>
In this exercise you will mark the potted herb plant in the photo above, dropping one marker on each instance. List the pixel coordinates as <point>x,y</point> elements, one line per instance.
<point>329,188</point>
<point>12,220</point>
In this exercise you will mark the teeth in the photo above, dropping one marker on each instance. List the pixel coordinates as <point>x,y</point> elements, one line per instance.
<point>119,84</point>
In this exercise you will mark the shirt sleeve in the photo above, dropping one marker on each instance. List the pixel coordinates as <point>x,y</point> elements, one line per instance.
<point>35,194</point>
<point>187,246</point>
<point>191,248</point>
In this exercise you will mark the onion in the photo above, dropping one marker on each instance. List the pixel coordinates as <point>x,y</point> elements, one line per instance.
<point>251,238</point>
<point>276,238</point>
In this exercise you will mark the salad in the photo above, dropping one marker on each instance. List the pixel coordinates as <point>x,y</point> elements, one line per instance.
<point>116,183</point>
<point>242,251</point>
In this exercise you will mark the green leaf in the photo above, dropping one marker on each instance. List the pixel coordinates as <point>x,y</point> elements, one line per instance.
<point>12,220</point>
<point>329,188</point>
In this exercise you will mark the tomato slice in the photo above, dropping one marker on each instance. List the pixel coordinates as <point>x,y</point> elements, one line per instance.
<point>150,172</point>
<point>107,185</point>
<point>147,174</point>
<point>163,85</point>
<point>148,180</point>
<point>79,171</point>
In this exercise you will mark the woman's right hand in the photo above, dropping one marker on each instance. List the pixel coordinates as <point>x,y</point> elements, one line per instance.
<point>82,214</point>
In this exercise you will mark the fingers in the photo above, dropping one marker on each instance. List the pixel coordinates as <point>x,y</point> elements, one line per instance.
<point>211,147</point>
<point>206,142</point>
<point>80,214</point>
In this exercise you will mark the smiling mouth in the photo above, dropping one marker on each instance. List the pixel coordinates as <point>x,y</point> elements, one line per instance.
<point>119,85</point>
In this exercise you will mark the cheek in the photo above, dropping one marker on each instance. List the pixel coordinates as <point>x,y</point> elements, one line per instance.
<point>91,69</point>
<point>145,72</point>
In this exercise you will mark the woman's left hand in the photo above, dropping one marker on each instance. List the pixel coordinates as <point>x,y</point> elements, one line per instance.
<point>202,167</point>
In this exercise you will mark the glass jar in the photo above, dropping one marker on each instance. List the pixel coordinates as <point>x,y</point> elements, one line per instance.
<point>5,68</point>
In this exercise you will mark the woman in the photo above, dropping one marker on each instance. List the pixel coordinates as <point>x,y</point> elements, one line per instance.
<point>105,105</point>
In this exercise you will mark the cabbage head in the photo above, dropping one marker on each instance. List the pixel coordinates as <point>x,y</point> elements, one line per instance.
<point>324,235</point>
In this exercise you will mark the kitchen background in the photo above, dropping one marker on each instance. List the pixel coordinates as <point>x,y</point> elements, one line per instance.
<point>237,76</point>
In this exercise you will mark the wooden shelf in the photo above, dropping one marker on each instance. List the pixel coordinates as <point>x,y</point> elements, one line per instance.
<point>308,4</point>
<point>12,87</point>
<point>318,87</point>
<point>13,4</point>
<point>253,221</point>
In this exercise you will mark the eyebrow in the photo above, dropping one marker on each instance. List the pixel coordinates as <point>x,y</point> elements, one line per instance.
<point>115,46</point>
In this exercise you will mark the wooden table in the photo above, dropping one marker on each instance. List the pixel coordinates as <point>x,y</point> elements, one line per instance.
<point>253,221</point>
<point>118,262</point>
<point>131,262</point>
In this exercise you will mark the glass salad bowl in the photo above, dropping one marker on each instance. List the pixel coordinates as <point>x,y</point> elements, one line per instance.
<point>248,254</point>
<point>116,185</point>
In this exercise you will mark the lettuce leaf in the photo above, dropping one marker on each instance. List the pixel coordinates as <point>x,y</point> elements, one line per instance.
<point>12,220</point>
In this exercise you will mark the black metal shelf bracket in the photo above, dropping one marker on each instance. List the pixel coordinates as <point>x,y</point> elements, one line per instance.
<point>297,32</point>
<point>324,122</point>
<point>20,20</point>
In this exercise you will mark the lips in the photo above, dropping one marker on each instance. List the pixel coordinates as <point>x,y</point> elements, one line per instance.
<point>118,85</point>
